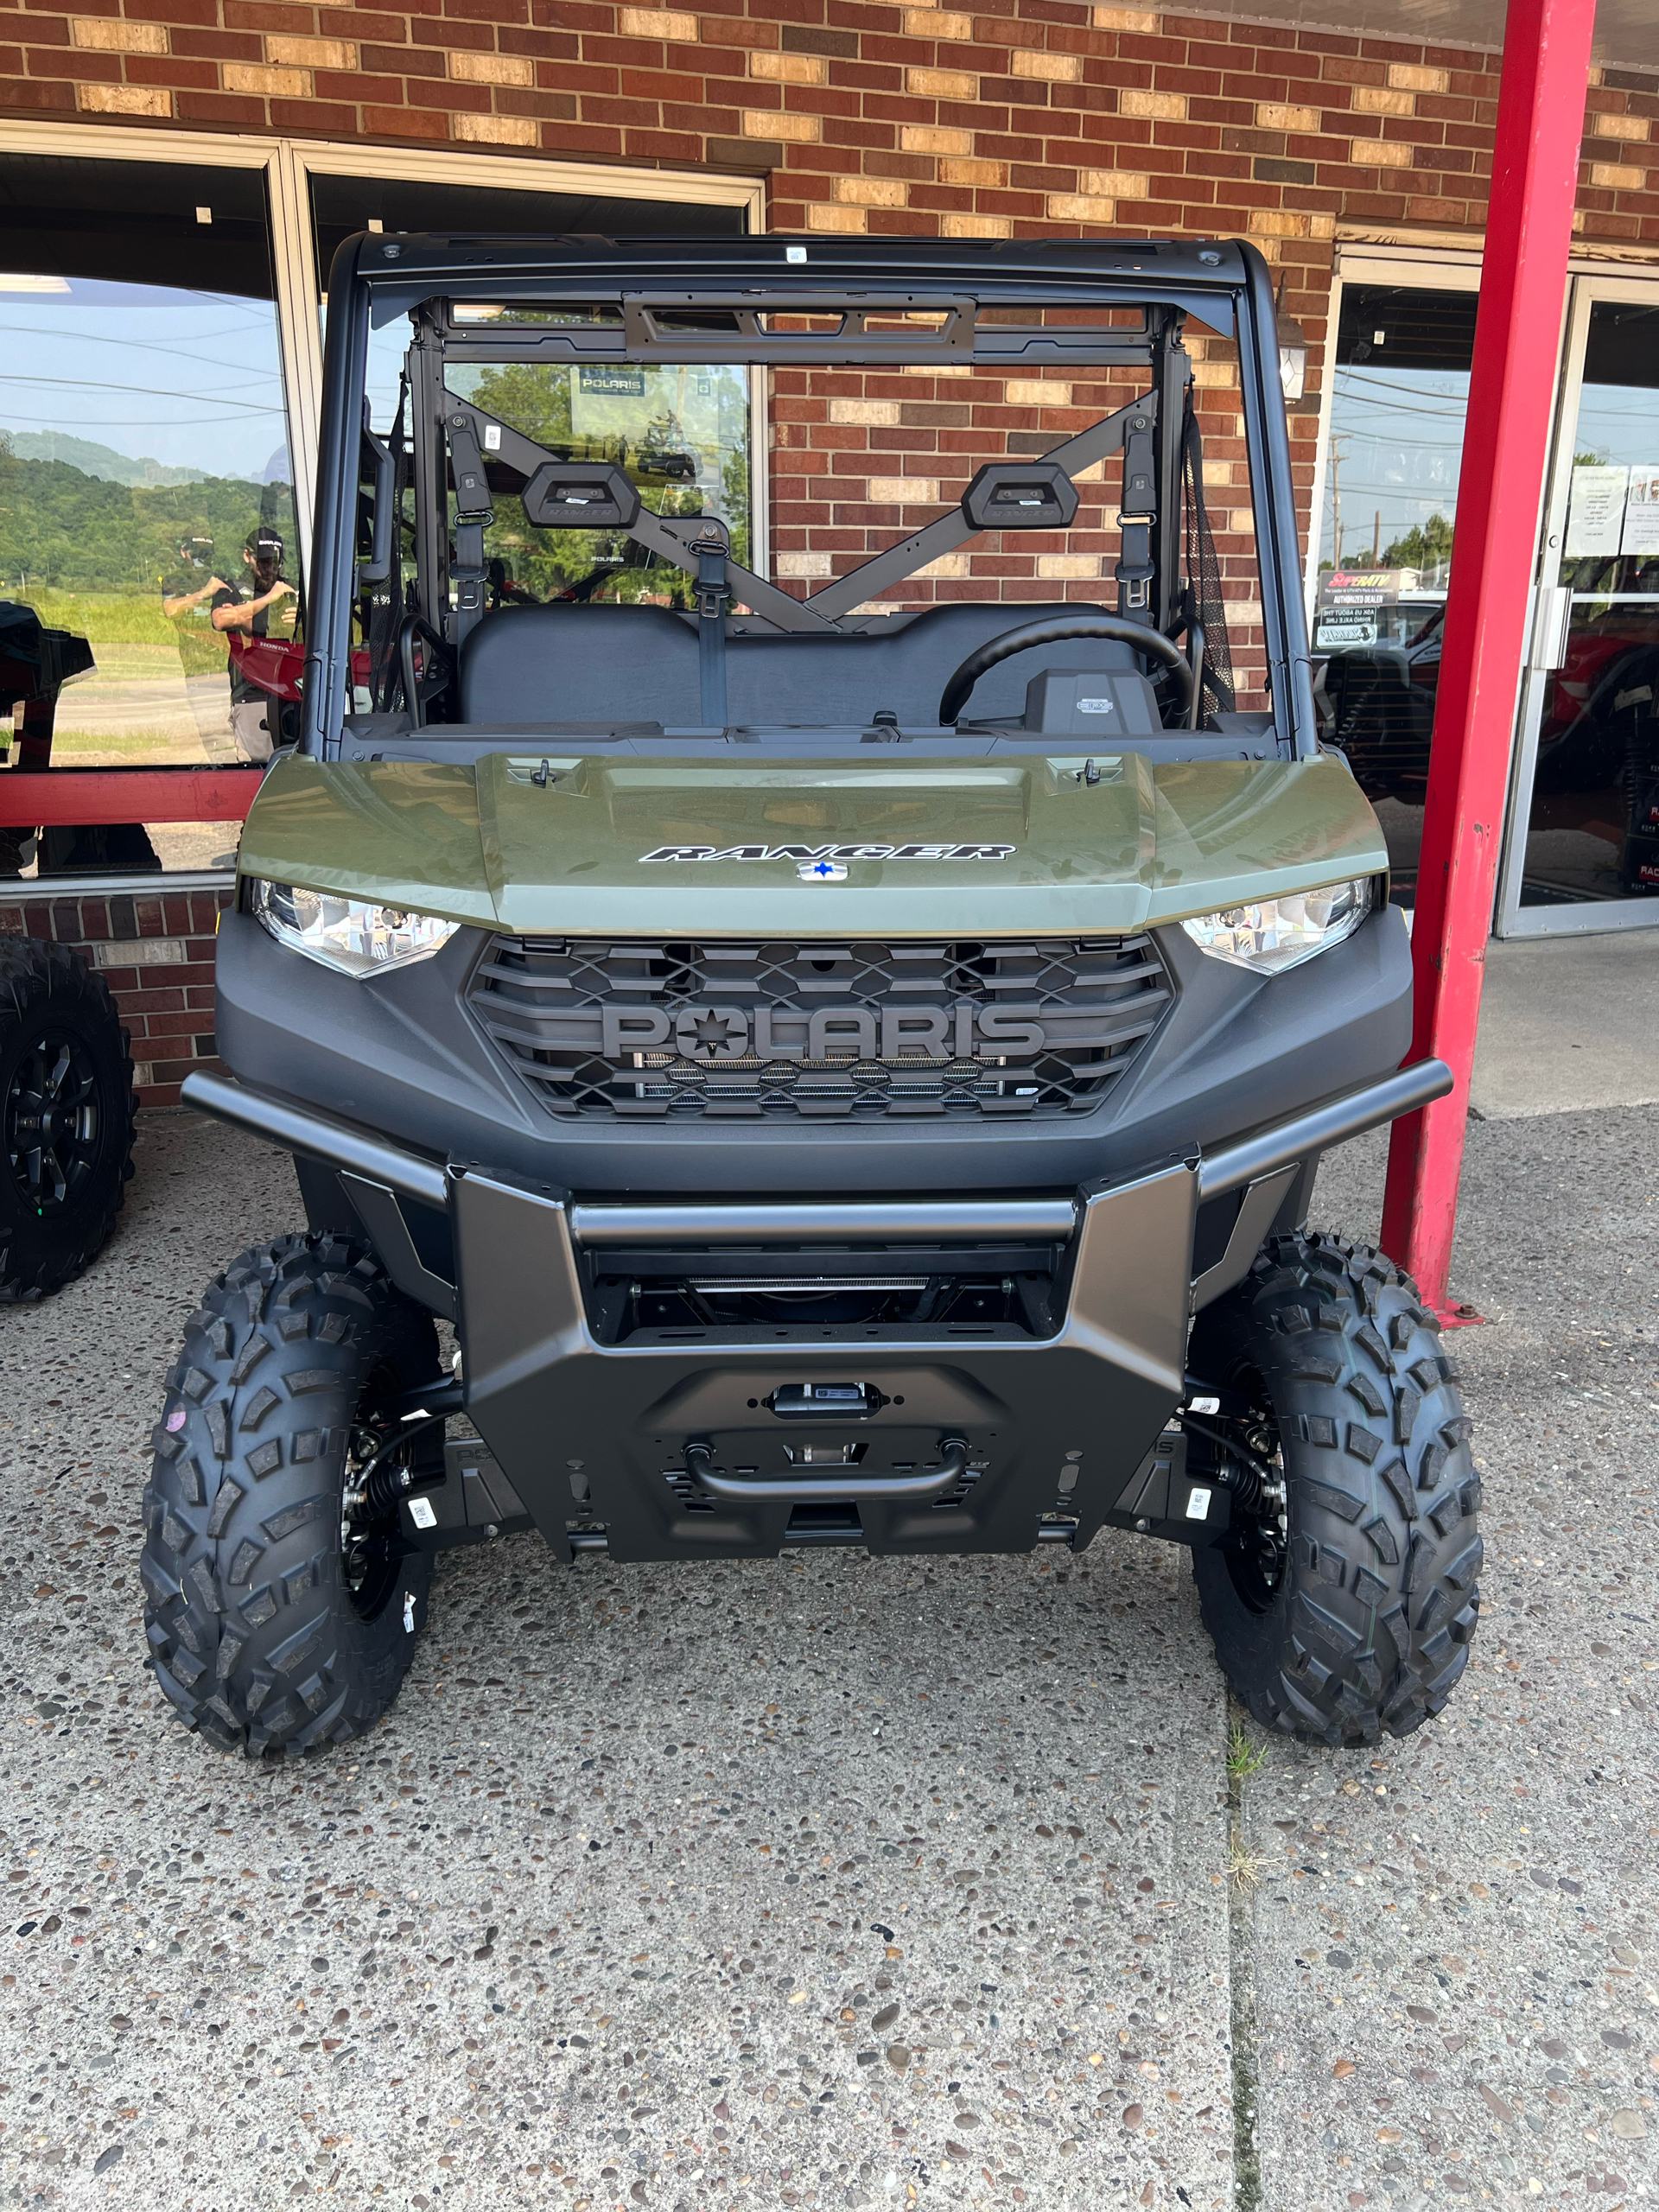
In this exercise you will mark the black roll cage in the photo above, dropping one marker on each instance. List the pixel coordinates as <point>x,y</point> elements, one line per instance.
<point>659,287</point>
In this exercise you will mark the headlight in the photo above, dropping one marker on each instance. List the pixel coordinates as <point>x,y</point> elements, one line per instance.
<point>352,936</point>
<point>1270,935</point>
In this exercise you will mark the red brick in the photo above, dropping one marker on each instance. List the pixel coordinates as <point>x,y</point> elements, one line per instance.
<point>228,110</point>
<point>217,46</point>
<point>169,70</point>
<point>406,123</point>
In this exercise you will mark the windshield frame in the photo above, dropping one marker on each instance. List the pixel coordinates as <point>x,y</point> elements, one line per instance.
<point>1227,286</point>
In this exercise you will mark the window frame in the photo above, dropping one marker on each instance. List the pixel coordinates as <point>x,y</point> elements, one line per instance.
<point>1588,286</point>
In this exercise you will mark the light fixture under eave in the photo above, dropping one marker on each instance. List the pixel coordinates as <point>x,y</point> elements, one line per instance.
<point>1293,350</point>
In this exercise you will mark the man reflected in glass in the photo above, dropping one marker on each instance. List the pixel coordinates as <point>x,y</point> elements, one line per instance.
<point>251,707</point>
<point>192,580</point>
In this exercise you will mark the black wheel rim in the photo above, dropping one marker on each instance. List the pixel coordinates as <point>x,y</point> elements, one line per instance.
<point>54,1126</point>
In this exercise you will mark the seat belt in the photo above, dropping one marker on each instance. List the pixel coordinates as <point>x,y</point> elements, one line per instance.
<point>474,515</point>
<point>1135,523</point>
<point>712,547</point>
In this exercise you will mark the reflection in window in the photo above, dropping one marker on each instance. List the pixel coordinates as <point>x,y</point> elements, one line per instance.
<point>1593,831</point>
<point>147,551</point>
<point>680,432</point>
<point>1400,389</point>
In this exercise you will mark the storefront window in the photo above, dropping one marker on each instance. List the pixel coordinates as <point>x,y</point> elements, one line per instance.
<point>147,540</point>
<point>152,598</point>
<point>1400,389</point>
<point>1593,831</point>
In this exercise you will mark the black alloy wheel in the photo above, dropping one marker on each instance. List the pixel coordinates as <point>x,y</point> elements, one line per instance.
<point>51,1120</point>
<point>67,1110</point>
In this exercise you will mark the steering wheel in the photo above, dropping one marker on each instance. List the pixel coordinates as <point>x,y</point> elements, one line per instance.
<point>1053,630</point>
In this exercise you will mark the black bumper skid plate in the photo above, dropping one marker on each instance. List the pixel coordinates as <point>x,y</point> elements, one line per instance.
<point>1052,1427</point>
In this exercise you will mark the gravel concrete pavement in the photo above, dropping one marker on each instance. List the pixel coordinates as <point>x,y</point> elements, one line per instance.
<point>1454,1943</point>
<point>832,1882</point>
<point>1568,1023</point>
<point>818,1882</point>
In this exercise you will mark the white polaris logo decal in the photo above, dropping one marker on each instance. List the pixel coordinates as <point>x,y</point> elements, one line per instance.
<point>810,859</point>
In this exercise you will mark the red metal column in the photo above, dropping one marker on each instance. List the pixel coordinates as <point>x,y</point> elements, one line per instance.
<point>1505,449</point>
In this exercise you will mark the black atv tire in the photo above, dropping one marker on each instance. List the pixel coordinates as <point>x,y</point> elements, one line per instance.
<point>1367,1625</point>
<point>257,1631</point>
<point>63,1064</point>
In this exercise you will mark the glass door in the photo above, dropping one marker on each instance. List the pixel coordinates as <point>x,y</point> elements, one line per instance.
<point>1583,852</point>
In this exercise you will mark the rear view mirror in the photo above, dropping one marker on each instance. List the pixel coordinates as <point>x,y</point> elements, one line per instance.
<point>581,495</point>
<point>1020,495</point>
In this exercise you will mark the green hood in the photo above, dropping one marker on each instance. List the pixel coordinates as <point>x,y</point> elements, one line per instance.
<point>489,844</point>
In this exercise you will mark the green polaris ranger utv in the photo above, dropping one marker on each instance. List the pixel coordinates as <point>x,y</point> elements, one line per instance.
<point>848,1056</point>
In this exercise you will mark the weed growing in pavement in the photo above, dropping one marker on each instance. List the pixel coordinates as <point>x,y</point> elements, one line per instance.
<point>1243,1757</point>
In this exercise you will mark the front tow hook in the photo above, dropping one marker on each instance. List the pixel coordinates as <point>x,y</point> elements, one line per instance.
<point>917,1489</point>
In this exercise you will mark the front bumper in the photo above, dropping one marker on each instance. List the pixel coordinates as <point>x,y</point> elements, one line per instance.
<point>1042,1435</point>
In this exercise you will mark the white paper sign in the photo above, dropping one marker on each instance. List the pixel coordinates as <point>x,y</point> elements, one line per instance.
<point>1595,514</point>
<point>1332,633</point>
<point>1642,512</point>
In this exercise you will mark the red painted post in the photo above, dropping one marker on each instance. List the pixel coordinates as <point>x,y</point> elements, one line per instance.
<point>1505,448</point>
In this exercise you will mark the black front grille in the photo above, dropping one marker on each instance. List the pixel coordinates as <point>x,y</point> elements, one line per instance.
<point>831,1031</point>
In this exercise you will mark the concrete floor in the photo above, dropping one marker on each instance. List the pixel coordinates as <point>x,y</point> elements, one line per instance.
<point>831,1882</point>
<point>1567,1023</point>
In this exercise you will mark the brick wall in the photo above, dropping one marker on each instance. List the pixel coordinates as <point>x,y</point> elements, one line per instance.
<point>155,949</point>
<point>861,458</point>
<point>990,122</point>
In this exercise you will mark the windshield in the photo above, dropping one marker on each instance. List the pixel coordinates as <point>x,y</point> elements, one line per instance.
<point>698,515</point>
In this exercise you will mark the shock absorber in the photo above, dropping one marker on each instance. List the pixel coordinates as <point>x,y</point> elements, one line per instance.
<point>381,1482</point>
<point>374,1497</point>
<point>1253,1485</point>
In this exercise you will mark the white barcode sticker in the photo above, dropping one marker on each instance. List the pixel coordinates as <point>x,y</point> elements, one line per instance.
<point>421,1513</point>
<point>1198,1505</point>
